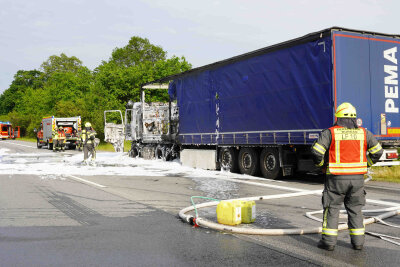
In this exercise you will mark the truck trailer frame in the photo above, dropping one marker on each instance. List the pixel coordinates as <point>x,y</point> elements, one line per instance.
<point>261,111</point>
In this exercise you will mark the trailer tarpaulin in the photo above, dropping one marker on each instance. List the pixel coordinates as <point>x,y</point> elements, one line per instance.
<point>366,74</point>
<point>287,89</point>
<point>196,102</point>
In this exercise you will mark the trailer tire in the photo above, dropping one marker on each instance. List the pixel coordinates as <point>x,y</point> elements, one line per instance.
<point>228,159</point>
<point>248,161</point>
<point>269,163</point>
<point>38,144</point>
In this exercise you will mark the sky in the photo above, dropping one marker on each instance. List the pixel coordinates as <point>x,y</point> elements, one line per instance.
<point>203,31</point>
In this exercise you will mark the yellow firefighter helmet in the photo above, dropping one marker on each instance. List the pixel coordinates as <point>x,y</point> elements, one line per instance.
<point>346,110</point>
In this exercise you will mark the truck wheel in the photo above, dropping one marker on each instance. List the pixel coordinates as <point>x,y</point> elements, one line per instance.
<point>134,152</point>
<point>248,161</point>
<point>38,144</point>
<point>269,163</point>
<point>159,152</point>
<point>228,159</point>
<point>49,145</point>
<point>167,154</point>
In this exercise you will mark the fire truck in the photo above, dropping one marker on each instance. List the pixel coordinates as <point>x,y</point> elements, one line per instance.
<point>7,131</point>
<point>72,128</point>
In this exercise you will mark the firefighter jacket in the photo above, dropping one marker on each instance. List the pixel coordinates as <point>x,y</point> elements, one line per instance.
<point>88,136</point>
<point>61,134</point>
<point>55,134</point>
<point>344,150</point>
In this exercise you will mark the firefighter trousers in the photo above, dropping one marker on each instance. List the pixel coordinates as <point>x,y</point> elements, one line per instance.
<point>347,190</point>
<point>58,144</point>
<point>89,148</point>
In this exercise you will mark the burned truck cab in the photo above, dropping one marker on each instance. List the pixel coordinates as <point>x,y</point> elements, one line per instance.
<point>151,127</point>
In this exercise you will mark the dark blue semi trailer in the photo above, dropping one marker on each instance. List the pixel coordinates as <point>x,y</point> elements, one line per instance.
<point>259,112</point>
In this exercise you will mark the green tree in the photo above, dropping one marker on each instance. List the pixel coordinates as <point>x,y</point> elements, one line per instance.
<point>22,81</point>
<point>137,51</point>
<point>61,63</point>
<point>65,88</point>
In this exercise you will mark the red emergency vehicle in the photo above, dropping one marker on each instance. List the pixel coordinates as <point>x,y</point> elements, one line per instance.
<point>7,131</point>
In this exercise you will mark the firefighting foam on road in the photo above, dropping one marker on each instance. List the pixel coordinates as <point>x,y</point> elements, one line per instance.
<point>107,163</point>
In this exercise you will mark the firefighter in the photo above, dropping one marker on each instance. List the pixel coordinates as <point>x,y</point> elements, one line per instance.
<point>88,140</point>
<point>61,138</point>
<point>342,151</point>
<point>58,139</point>
<point>55,139</point>
<point>78,143</point>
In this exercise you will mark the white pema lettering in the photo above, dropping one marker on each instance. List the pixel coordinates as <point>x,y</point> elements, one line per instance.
<point>391,82</point>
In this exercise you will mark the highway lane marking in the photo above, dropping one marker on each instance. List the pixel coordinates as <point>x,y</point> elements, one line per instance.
<point>86,181</point>
<point>310,192</point>
<point>264,185</point>
<point>231,180</point>
<point>22,145</point>
<point>65,153</point>
<point>382,188</point>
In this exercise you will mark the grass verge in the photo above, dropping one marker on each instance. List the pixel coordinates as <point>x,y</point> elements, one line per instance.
<point>108,147</point>
<point>386,174</point>
<point>102,147</point>
<point>27,139</point>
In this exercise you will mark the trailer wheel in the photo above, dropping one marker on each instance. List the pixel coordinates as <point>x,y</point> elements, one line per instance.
<point>38,144</point>
<point>248,161</point>
<point>269,163</point>
<point>228,159</point>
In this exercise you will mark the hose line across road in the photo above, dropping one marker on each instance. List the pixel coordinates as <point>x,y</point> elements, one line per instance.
<point>388,212</point>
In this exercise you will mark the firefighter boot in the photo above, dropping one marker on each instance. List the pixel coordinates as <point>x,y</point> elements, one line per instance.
<point>323,245</point>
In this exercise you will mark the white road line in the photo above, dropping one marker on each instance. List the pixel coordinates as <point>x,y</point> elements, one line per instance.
<point>21,145</point>
<point>306,191</point>
<point>381,202</point>
<point>264,185</point>
<point>86,181</point>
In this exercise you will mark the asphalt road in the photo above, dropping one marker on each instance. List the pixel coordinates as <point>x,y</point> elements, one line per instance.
<point>131,220</point>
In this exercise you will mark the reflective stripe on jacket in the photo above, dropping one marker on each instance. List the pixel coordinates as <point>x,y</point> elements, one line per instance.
<point>347,152</point>
<point>61,134</point>
<point>86,136</point>
<point>55,134</point>
<point>321,149</point>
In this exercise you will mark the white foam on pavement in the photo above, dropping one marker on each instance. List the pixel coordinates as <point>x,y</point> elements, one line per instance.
<point>3,151</point>
<point>51,165</point>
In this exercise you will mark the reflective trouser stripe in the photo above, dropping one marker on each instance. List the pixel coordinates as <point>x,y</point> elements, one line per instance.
<point>327,231</point>
<point>360,231</point>
<point>325,219</point>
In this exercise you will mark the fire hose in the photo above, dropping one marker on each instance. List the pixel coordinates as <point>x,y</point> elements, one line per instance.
<point>389,212</point>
